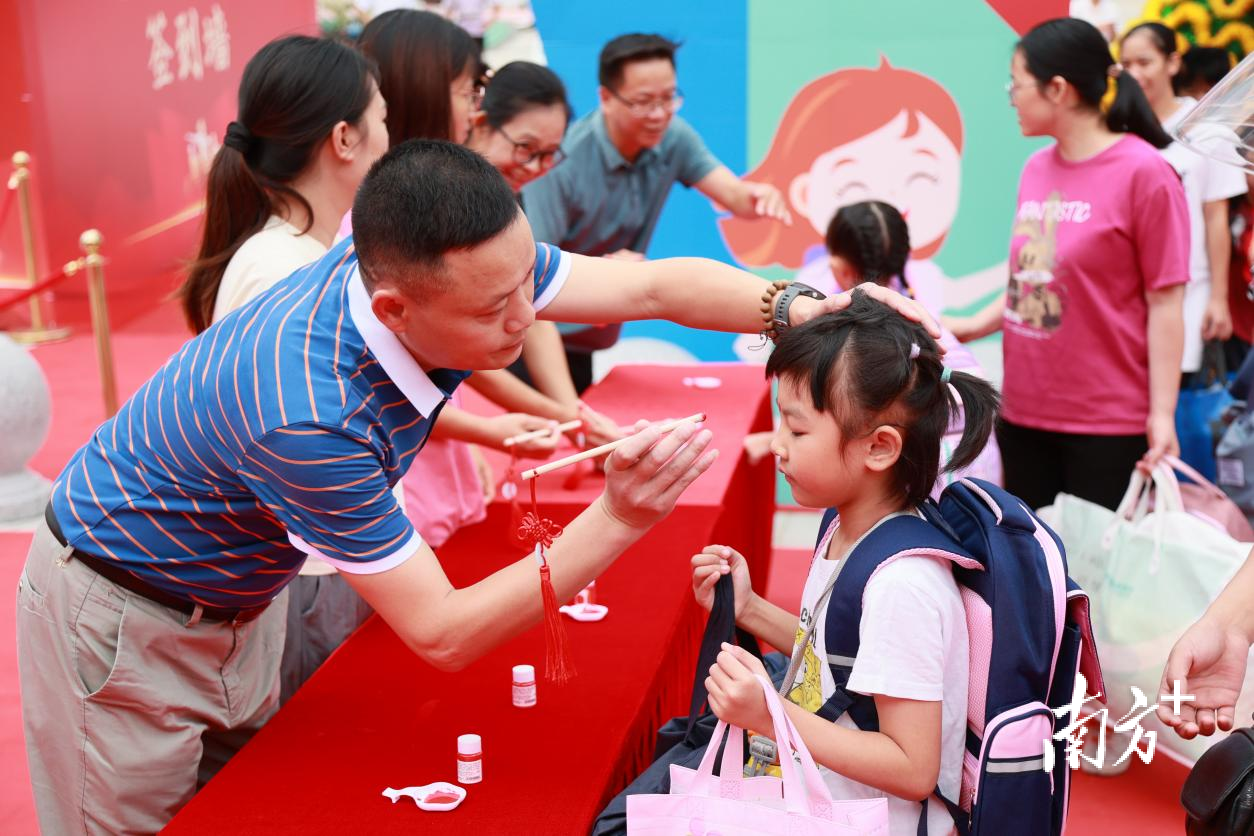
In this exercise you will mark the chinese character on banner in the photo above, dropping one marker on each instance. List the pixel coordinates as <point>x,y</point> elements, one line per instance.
<point>201,148</point>
<point>217,41</point>
<point>160,54</point>
<point>187,42</point>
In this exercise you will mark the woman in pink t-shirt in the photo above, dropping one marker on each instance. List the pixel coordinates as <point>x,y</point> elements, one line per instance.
<point>1099,257</point>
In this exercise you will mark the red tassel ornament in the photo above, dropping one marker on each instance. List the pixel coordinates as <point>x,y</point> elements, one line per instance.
<point>540,533</point>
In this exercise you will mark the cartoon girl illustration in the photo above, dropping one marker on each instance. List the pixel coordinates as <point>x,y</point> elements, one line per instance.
<point>865,134</point>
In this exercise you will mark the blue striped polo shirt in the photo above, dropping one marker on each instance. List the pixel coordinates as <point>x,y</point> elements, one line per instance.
<point>278,432</point>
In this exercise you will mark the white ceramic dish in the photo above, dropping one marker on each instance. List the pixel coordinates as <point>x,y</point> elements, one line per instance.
<point>421,794</point>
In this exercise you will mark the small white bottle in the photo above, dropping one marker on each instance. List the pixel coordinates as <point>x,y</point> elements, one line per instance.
<point>469,759</point>
<point>524,686</point>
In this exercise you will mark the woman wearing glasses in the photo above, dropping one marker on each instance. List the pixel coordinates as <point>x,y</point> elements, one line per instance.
<point>431,69</point>
<point>522,122</point>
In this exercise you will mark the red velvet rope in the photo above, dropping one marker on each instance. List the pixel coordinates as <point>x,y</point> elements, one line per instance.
<point>39,287</point>
<point>6,203</point>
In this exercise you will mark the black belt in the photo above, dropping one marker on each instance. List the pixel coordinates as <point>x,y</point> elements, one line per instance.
<point>129,582</point>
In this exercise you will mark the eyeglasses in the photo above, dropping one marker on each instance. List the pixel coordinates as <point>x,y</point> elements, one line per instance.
<point>1012,88</point>
<point>643,107</point>
<point>525,152</point>
<point>474,96</point>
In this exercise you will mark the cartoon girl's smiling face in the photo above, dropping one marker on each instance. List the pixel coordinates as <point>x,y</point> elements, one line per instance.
<point>918,171</point>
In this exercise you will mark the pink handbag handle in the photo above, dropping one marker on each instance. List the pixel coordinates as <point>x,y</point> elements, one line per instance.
<point>1180,466</point>
<point>818,799</point>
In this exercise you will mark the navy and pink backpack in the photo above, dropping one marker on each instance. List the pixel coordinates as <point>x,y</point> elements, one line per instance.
<point>1029,634</point>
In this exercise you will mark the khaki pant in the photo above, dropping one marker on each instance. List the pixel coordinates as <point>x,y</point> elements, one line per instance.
<point>128,707</point>
<point>322,611</point>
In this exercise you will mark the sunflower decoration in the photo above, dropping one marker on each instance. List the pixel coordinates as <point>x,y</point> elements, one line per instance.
<point>1227,24</point>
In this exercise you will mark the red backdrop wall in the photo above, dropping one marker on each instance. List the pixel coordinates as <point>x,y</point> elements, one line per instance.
<point>122,105</point>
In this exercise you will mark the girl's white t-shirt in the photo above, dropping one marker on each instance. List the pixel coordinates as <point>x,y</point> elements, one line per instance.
<point>912,645</point>
<point>1205,179</point>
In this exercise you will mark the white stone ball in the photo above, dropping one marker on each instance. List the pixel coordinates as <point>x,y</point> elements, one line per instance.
<point>25,407</point>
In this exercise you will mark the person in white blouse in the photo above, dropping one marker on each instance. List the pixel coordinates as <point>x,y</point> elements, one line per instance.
<point>1149,53</point>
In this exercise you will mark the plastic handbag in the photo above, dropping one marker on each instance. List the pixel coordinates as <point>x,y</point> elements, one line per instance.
<point>1209,503</point>
<point>1150,575</point>
<point>730,804</point>
<point>683,740</point>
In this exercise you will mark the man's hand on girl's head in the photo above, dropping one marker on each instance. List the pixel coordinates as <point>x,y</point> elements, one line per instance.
<point>803,309</point>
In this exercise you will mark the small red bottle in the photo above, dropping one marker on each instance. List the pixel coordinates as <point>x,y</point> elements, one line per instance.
<point>469,759</point>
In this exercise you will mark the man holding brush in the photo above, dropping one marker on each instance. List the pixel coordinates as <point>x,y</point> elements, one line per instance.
<point>148,649</point>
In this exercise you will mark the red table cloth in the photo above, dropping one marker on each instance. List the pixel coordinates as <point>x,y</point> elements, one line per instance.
<point>376,716</point>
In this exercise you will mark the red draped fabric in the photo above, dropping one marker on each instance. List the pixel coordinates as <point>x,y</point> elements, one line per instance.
<point>376,716</point>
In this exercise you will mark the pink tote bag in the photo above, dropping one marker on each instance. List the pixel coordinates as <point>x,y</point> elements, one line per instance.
<point>1201,498</point>
<point>701,803</point>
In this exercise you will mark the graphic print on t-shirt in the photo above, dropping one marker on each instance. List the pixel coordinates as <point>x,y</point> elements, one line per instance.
<point>1032,300</point>
<point>807,691</point>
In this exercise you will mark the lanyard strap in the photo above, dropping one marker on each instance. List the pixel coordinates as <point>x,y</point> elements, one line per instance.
<point>799,650</point>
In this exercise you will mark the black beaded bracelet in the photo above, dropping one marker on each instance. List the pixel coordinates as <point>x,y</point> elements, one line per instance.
<point>778,299</point>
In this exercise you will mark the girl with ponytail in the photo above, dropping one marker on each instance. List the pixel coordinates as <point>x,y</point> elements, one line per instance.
<point>311,122</point>
<point>865,398</point>
<point>1098,262</point>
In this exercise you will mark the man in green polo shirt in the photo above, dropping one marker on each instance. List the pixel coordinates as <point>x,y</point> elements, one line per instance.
<point>621,160</point>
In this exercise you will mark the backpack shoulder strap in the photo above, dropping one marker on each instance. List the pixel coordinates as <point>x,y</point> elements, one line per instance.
<point>901,536</point>
<point>828,517</point>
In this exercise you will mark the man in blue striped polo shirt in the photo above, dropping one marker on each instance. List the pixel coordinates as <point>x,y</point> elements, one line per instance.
<point>148,649</point>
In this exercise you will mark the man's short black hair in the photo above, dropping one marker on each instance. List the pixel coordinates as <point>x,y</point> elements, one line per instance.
<point>422,199</point>
<point>625,49</point>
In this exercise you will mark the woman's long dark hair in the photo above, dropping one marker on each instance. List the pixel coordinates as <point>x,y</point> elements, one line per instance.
<point>420,55</point>
<point>1075,51</point>
<point>293,92</point>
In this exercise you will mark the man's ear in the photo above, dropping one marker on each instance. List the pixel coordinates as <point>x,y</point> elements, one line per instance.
<point>389,308</point>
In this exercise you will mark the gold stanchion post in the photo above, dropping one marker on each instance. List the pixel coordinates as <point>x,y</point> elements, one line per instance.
<point>40,331</point>
<point>94,264</point>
